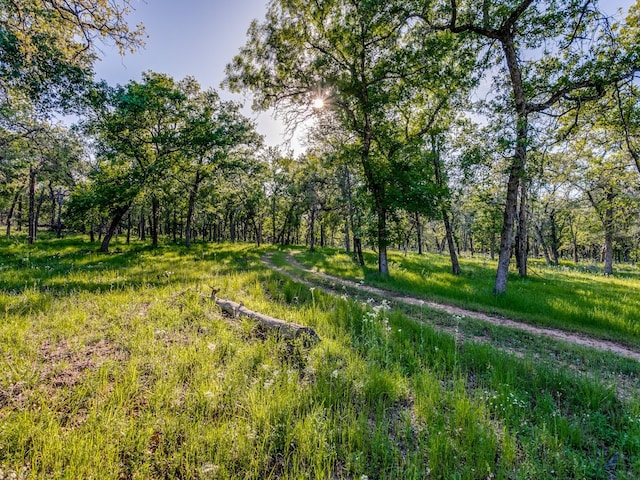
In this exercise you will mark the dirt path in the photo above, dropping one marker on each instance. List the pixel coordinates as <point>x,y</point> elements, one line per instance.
<point>577,339</point>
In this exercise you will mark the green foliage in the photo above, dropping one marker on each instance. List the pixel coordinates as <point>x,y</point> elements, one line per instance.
<point>47,49</point>
<point>162,137</point>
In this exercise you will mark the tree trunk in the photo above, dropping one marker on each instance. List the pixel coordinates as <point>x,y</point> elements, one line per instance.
<point>357,251</point>
<point>555,241</point>
<point>440,178</point>
<point>174,226</point>
<point>284,329</point>
<point>59,219</point>
<point>274,240</point>
<point>419,233</point>
<point>113,226</point>
<point>383,264</point>
<point>455,265</point>
<point>257,231</point>
<point>232,226</point>
<point>31,215</point>
<point>492,252</point>
<point>608,240</point>
<point>54,207</point>
<point>128,227</point>
<point>506,235</point>
<point>543,244</point>
<point>190,209</point>
<point>142,227</point>
<point>516,172</point>
<point>312,229</point>
<point>522,237</point>
<point>347,237</point>
<point>378,194</point>
<point>155,211</point>
<point>16,198</point>
<point>36,220</point>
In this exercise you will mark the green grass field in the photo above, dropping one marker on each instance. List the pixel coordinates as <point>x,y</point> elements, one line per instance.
<point>566,297</point>
<point>116,366</point>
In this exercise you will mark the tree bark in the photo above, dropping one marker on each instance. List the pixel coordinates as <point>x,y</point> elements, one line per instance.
<point>383,263</point>
<point>419,233</point>
<point>455,264</point>
<point>608,238</point>
<point>190,209</point>
<point>347,237</point>
<point>16,198</point>
<point>516,171</point>
<point>142,227</point>
<point>59,219</point>
<point>257,231</point>
<point>31,215</point>
<point>113,226</point>
<point>545,250</point>
<point>284,329</point>
<point>574,241</point>
<point>36,219</point>
<point>377,190</point>
<point>357,251</point>
<point>54,205</point>
<point>506,235</point>
<point>155,211</point>
<point>19,216</point>
<point>128,227</point>
<point>312,229</point>
<point>522,243</point>
<point>274,239</point>
<point>440,179</point>
<point>555,241</point>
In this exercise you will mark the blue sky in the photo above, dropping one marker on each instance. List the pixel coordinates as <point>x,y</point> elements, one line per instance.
<point>198,38</point>
<point>191,38</point>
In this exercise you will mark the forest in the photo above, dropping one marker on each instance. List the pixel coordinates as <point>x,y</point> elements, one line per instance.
<point>515,135</point>
<point>480,155</point>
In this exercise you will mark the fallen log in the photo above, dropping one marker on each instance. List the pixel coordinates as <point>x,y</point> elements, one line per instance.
<point>287,330</point>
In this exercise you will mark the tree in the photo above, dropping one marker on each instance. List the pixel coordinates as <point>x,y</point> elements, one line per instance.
<point>160,136</point>
<point>48,47</point>
<point>548,61</point>
<point>357,57</point>
<point>140,126</point>
<point>212,137</point>
<point>604,170</point>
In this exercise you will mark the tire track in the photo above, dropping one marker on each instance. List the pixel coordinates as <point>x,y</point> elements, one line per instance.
<point>555,334</point>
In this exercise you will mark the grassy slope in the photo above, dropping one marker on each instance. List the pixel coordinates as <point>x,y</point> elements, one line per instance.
<point>565,297</point>
<point>114,366</point>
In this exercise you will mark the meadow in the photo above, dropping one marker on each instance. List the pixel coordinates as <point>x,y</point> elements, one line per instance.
<point>119,366</point>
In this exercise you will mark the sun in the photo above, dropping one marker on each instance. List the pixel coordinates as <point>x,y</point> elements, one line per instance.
<point>318,103</point>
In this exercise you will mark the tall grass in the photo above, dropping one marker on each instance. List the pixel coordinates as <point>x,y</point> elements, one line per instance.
<point>115,366</point>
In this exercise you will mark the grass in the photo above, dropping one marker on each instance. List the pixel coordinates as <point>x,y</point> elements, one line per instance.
<point>115,366</point>
<point>566,297</point>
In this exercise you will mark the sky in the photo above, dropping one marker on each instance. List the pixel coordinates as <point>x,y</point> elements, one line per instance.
<point>192,38</point>
<point>198,38</point>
